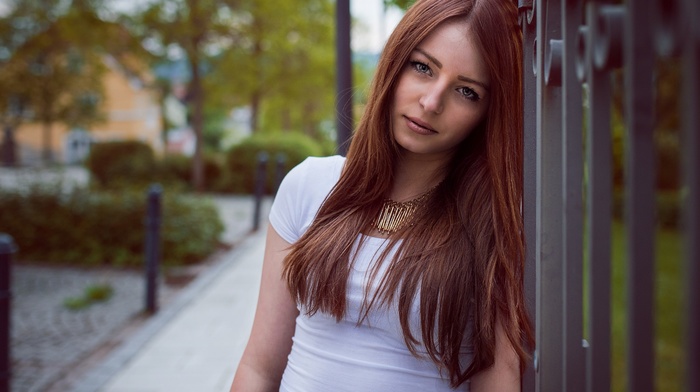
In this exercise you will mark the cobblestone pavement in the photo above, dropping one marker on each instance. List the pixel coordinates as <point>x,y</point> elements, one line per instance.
<point>51,344</point>
<point>48,339</point>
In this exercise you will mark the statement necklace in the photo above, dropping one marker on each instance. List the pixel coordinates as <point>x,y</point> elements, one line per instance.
<point>394,216</point>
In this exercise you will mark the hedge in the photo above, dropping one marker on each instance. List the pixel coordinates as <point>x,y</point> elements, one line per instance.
<point>117,162</point>
<point>115,165</point>
<point>99,228</point>
<point>241,159</point>
<point>176,169</point>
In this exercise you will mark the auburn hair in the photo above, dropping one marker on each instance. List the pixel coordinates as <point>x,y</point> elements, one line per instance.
<point>463,259</point>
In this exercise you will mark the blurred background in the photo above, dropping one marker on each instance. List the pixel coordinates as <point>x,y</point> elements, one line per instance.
<point>101,98</point>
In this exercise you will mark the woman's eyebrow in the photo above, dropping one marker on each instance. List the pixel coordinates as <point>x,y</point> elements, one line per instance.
<point>459,77</point>
<point>431,58</point>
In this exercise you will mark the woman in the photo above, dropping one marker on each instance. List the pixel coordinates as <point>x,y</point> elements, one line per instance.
<point>400,268</point>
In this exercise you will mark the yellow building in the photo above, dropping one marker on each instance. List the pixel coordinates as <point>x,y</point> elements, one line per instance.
<point>131,111</point>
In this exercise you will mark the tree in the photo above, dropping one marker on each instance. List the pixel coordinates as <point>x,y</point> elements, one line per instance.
<point>282,64</point>
<point>192,28</point>
<point>52,66</point>
<point>12,102</point>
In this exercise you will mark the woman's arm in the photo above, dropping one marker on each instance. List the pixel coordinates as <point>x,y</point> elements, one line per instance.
<point>504,375</point>
<point>265,356</point>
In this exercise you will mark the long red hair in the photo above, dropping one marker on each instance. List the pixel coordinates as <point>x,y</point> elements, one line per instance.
<point>465,252</point>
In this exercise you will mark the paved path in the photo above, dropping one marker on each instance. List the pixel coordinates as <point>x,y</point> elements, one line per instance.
<point>195,344</point>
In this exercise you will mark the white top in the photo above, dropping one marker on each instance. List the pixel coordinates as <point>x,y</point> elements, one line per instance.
<point>342,356</point>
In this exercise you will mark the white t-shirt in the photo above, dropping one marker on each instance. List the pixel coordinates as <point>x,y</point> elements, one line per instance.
<point>331,356</point>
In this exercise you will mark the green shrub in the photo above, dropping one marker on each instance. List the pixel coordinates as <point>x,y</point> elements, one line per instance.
<point>112,163</point>
<point>241,159</point>
<point>214,169</point>
<point>176,170</point>
<point>97,228</point>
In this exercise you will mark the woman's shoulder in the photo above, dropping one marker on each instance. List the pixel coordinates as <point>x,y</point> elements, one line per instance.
<point>333,163</point>
<point>301,194</point>
<point>319,169</point>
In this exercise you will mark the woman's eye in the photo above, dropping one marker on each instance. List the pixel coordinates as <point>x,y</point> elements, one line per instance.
<point>420,67</point>
<point>469,93</point>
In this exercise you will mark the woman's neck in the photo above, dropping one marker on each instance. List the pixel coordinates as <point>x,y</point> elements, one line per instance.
<point>416,175</point>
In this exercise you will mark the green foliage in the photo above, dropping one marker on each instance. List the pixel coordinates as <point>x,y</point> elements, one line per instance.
<point>241,160</point>
<point>133,164</point>
<point>284,66</point>
<point>105,228</point>
<point>52,61</point>
<point>76,303</point>
<point>98,292</point>
<point>92,294</point>
<point>668,295</point>
<point>117,162</point>
<point>403,4</point>
<point>176,169</point>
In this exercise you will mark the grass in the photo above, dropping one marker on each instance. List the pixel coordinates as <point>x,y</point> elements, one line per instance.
<point>669,286</point>
<point>91,295</point>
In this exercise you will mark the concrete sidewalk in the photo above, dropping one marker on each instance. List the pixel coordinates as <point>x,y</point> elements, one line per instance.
<point>195,344</point>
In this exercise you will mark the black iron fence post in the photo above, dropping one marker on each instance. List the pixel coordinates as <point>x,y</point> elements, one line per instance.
<point>343,104</point>
<point>549,251</point>
<point>152,248</point>
<point>529,166</point>
<point>260,177</point>
<point>7,248</point>
<point>691,143</point>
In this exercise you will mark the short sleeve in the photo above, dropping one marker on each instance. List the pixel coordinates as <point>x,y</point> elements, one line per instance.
<point>282,212</point>
<point>301,194</point>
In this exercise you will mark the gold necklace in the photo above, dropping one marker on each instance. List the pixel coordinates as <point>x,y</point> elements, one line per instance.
<point>395,215</point>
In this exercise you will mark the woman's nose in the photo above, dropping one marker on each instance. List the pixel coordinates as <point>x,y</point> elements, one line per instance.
<point>431,100</point>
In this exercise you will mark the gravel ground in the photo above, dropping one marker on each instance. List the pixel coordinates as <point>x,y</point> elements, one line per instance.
<point>49,339</point>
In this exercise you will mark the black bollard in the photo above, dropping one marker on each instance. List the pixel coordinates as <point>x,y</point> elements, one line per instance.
<point>7,248</point>
<point>8,148</point>
<point>152,248</point>
<point>260,177</point>
<point>279,170</point>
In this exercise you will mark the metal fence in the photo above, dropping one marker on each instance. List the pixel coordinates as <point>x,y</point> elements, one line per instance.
<point>575,48</point>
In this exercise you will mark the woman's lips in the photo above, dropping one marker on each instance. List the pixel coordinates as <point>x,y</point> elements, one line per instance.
<point>419,126</point>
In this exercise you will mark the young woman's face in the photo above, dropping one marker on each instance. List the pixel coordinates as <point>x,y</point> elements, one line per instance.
<point>442,93</point>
